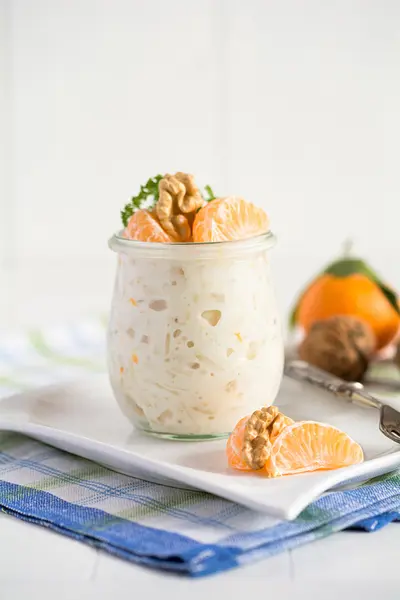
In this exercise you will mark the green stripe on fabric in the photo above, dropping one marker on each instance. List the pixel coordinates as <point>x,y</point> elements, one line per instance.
<point>75,476</point>
<point>312,513</point>
<point>140,511</point>
<point>392,476</point>
<point>39,343</point>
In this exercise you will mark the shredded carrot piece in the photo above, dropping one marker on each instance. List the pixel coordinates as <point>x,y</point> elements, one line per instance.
<point>135,358</point>
<point>121,370</point>
<point>133,301</point>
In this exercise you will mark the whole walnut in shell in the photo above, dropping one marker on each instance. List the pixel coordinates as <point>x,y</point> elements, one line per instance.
<point>341,345</point>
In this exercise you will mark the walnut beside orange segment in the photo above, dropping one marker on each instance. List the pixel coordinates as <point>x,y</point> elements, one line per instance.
<point>272,444</point>
<point>180,213</point>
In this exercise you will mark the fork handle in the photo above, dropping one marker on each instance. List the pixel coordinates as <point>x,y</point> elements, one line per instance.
<point>354,391</point>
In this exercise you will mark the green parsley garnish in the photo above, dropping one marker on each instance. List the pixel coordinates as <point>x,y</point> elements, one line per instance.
<point>210,194</point>
<point>146,198</point>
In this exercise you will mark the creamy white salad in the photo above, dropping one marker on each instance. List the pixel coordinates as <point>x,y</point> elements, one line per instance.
<point>194,344</point>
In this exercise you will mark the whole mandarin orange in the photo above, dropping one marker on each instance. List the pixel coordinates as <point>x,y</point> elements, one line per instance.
<point>349,287</point>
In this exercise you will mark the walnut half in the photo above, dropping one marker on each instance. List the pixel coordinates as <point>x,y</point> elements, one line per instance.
<point>179,200</point>
<point>256,443</point>
<point>262,428</point>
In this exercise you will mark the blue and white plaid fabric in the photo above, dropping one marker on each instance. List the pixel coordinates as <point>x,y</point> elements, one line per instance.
<point>154,525</point>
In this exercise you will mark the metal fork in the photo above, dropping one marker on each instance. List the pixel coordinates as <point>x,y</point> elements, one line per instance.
<point>389,420</point>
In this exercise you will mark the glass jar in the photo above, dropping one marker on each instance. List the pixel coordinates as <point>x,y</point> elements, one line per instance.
<point>194,340</point>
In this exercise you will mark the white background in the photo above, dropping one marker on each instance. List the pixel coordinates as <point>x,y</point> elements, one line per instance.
<point>292,104</point>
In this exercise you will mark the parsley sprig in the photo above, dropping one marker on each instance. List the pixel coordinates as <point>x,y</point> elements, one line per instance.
<point>148,197</point>
<point>210,193</point>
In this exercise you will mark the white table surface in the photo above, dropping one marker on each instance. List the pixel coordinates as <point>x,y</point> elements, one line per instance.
<point>37,563</point>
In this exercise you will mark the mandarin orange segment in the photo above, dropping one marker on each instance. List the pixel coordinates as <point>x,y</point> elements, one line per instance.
<point>143,227</point>
<point>234,447</point>
<point>227,219</point>
<point>311,446</point>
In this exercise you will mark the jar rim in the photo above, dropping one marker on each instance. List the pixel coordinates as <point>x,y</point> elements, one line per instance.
<point>118,243</point>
